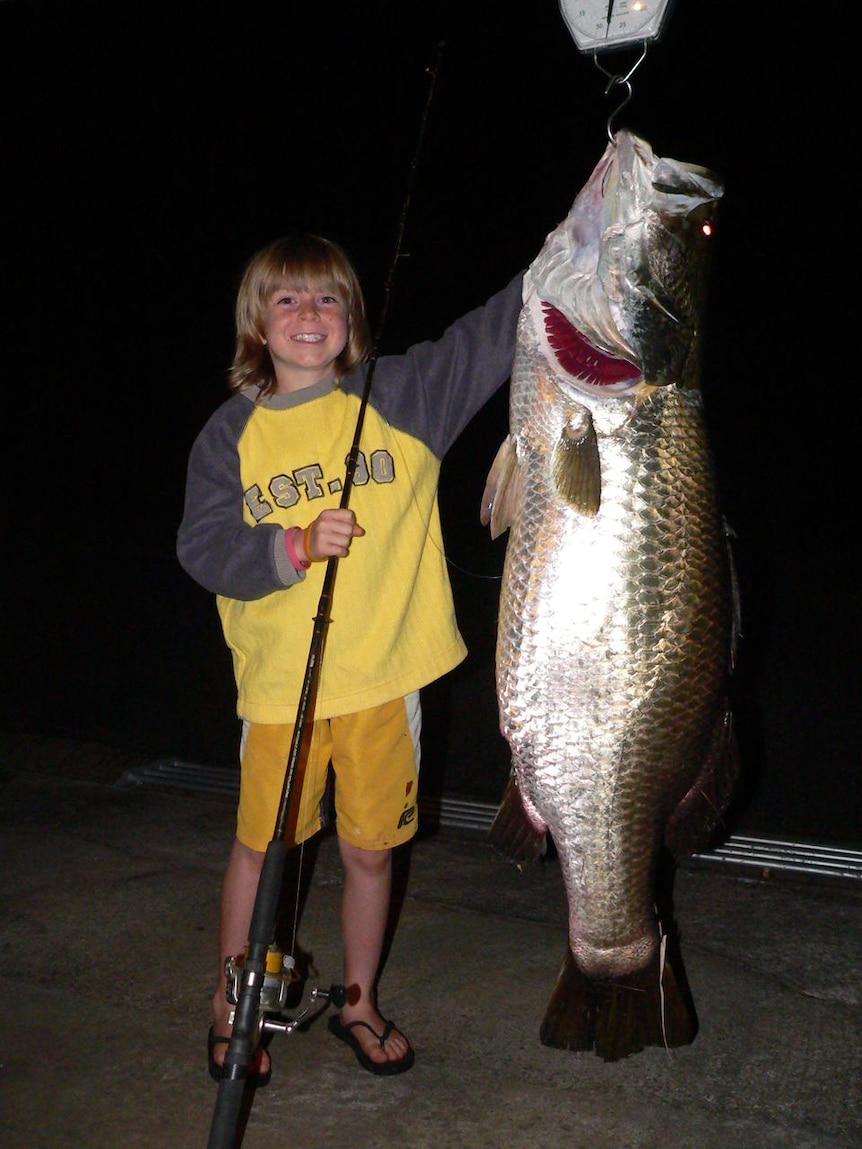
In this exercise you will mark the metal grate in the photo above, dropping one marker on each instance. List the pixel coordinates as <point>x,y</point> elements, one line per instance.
<point>758,857</point>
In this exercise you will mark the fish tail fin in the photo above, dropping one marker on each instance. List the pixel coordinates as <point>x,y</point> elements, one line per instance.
<point>512,832</point>
<point>620,1016</point>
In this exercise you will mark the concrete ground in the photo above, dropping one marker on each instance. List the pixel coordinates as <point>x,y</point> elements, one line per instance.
<point>110,895</point>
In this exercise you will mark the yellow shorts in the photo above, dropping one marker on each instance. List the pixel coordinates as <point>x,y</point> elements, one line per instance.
<point>375,760</point>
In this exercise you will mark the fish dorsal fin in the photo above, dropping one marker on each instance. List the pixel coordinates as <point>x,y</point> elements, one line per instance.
<point>575,464</point>
<point>501,494</point>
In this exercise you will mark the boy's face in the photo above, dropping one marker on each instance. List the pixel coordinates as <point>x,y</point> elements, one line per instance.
<point>305,330</point>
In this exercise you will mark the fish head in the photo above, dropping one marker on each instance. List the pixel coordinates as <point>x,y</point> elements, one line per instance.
<point>622,280</point>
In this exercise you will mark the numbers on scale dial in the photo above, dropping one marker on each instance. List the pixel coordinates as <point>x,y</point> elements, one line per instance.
<point>597,24</point>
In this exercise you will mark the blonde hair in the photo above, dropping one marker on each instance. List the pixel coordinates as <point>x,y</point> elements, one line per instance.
<point>299,261</point>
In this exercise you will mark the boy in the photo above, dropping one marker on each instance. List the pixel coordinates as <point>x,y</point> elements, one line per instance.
<point>261,519</point>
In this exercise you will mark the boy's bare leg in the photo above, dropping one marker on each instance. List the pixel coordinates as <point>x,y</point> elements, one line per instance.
<point>364,913</point>
<point>239,890</point>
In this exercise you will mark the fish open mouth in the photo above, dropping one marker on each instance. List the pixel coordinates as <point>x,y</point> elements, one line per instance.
<point>580,358</point>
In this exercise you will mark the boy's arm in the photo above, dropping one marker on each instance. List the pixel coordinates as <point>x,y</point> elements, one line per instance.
<point>215,545</point>
<point>436,387</point>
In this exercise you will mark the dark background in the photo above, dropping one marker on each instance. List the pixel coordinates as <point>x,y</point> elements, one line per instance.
<point>147,151</point>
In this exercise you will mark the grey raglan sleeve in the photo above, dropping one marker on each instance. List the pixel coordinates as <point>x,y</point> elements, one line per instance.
<point>436,387</point>
<point>215,545</point>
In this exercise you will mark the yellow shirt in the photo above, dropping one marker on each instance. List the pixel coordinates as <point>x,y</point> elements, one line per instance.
<point>392,625</point>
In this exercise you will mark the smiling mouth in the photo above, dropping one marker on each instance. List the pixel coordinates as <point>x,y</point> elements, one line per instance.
<point>307,337</point>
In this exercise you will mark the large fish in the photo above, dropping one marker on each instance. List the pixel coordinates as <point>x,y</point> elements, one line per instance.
<point>616,617</point>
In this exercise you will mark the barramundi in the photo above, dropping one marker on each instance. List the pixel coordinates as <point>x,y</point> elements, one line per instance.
<point>617,615</point>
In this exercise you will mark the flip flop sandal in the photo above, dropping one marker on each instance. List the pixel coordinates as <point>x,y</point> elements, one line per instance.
<point>380,1068</point>
<point>259,1080</point>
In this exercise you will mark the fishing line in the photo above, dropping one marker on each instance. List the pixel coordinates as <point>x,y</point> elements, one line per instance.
<point>394,447</point>
<point>474,574</point>
<point>661,969</point>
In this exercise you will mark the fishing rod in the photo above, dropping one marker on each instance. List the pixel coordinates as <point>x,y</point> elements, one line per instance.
<point>257,974</point>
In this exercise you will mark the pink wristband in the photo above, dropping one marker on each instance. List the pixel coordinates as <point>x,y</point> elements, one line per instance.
<point>297,563</point>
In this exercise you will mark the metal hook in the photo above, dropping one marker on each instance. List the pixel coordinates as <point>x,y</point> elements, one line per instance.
<point>609,126</point>
<point>622,81</point>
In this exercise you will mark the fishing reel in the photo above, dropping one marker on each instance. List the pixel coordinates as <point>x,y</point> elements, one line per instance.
<point>279,976</point>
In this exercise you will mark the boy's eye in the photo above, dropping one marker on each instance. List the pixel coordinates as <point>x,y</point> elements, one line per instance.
<point>293,300</point>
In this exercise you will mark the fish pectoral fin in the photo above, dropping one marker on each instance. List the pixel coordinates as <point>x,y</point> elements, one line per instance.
<point>500,497</point>
<point>575,465</point>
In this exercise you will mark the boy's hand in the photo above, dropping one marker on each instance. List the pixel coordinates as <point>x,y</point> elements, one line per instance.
<point>331,533</point>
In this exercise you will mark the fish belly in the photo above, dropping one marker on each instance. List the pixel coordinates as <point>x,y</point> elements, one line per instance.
<point>612,646</point>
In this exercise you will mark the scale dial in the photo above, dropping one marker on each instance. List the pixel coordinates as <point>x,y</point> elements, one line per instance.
<point>598,25</point>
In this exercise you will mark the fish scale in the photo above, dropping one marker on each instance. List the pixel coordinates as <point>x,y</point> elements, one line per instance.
<point>616,614</point>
